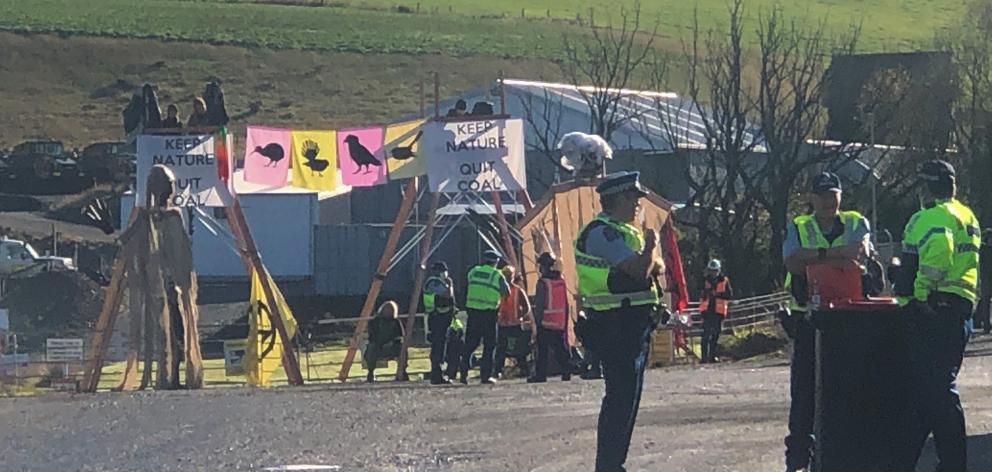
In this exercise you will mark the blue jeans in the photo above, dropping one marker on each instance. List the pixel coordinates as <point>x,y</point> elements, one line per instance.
<point>624,351</point>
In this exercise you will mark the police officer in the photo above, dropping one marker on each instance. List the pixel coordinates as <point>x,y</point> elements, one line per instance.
<point>826,234</point>
<point>937,285</point>
<point>713,304</point>
<point>486,286</point>
<point>616,264</point>
<point>439,303</point>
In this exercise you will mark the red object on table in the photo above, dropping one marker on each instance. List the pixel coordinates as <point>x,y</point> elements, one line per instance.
<point>839,288</point>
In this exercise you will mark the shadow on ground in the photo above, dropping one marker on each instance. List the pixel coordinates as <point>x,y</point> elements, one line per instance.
<point>979,454</point>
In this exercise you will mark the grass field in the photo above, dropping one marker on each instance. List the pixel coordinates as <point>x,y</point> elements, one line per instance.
<point>448,27</point>
<point>324,365</point>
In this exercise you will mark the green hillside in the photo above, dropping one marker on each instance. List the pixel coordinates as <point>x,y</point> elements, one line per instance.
<point>508,28</point>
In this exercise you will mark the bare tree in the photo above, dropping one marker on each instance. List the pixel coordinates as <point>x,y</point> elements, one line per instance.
<point>544,115</point>
<point>971,45</point>
<point>605,62</point>
<point>791,112</point>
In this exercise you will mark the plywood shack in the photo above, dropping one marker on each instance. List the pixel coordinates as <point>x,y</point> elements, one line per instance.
<point>556,219</point>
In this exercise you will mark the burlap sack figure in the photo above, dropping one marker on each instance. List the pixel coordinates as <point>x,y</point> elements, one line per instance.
<point>162,290</point>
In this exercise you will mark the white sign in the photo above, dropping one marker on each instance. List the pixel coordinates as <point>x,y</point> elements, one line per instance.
<point>192,159</point>
<point>63,349</point>
<point>476,156</point>
<point>234,356</point>
<point>4,319</point>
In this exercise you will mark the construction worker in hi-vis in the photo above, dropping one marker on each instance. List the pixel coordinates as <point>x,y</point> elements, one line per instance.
<point>937,284</point>
<point>617,266</point>
<point>827,234</point>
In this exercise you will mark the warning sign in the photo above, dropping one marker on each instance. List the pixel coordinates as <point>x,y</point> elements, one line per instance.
<point>192,159</point>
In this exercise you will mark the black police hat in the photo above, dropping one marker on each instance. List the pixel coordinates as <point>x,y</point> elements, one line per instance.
<point>439,266</point>
<point>621,182</point>
<point>826,182</point>
<point>935,170</point>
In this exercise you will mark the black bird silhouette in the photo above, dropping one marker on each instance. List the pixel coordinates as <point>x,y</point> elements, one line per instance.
<point>402,153</point>
<point>310,151</point>
<point>273,151</point>
<point>360,154</point>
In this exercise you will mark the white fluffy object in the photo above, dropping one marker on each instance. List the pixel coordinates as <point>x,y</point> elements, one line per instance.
<point>584,154</point>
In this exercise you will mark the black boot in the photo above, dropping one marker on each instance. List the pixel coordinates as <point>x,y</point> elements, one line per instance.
<point>370,378</point>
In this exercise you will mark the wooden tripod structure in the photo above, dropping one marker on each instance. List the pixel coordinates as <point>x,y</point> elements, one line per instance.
<point>115,291</point>
<point>409,200</point>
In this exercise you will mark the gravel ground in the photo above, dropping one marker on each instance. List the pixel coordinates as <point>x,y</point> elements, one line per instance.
<point>725,418</point>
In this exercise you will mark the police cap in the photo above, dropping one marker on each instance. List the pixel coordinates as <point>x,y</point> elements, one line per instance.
<point>621,182</point>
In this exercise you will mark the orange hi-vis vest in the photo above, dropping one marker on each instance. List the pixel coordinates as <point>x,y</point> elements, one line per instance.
<point>509,312</point>
<point>721,303</point>
<point>556,305</point>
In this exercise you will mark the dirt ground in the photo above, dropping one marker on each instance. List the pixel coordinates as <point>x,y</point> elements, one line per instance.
<point>725,418</point>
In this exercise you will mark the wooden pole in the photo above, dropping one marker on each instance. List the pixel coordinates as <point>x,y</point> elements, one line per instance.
<point>290,363</point>
<point>437,95</point>
<point>105,323</point>
<point>422,111</point>
<point>409,197</point>
<point>502,94</point>
<point>504,229</point>
<point>418,284</point>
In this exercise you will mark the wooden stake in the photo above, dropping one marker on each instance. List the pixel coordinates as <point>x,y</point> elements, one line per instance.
<point>504,229</point>
<point>502,94</point>
<point>105,323</point>
<point>418,284</point>
<point>290,363</point>
<point>437,96</point>
<point>409,197</point>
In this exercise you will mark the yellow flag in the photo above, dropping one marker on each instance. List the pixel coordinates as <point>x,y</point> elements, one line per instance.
<point>315,162</point>
<point>263,355</point>
<point>403,150</point>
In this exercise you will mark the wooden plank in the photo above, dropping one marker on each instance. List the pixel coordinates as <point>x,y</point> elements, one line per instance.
<point>409,198</point>
<point>418,284</point>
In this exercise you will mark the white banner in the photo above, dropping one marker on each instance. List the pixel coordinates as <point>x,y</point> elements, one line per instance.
<point>192,159</point>
<point>477,156</point>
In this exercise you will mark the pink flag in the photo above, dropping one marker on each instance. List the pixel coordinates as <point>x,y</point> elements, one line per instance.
<point>362,157</point>
<point>267,155</point>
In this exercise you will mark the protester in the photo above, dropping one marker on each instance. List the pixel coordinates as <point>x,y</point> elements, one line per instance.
<point>516,328</point>
<point>198,118</point>
<point>385,337</point>
<point>172,118</point>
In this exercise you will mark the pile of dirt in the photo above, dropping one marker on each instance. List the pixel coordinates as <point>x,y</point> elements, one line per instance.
<point>751,345</point>
<point>52,304</point>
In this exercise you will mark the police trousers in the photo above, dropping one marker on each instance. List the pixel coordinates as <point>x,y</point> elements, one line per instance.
<point>935,345</point>
<point>622,341</point>
<point>802,387</point>
<point>481,329</point>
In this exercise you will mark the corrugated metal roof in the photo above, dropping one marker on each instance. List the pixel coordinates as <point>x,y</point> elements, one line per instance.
<point>651,120</point>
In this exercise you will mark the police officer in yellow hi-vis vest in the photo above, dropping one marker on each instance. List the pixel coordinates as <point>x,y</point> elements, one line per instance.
<point>937,284</point>
<point>827,234</point>
<point>486,286</point>
<point>617,265</point>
